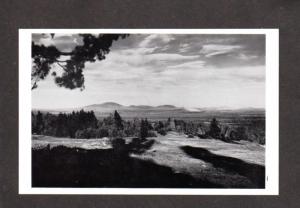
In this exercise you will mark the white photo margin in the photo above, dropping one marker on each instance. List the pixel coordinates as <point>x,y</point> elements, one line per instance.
<point>272,116</point>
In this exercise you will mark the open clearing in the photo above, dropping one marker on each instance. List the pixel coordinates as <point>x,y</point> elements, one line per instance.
<point>239,164</point>
<point>168,151</point>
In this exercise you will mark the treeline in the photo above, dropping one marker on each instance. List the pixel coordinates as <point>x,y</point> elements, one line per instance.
<point>85,125</point>
<point>62,125</point>
<point>253,131</point>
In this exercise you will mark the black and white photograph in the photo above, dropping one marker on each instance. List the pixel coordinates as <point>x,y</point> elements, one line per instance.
<point>150,104</point>
<point>151,110</point>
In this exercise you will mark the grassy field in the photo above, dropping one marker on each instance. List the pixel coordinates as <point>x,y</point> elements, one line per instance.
<point>189,156</point>
<point>40,141</point>
<point>170,161</point>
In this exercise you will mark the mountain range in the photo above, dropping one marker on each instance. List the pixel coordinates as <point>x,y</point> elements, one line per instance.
<point>162,111</point>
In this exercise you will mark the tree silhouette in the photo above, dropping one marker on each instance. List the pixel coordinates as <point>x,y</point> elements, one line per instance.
<point>144,129</point>
<point>94,47</point>
<point>118,120</point>
<point>214,129</point>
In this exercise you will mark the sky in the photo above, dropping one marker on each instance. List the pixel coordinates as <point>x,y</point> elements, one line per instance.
<point>191,71</point>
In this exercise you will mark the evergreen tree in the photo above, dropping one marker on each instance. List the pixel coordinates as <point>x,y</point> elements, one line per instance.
<point>160,125</point>
<point>33,123</point>
<point>39,123</point>
<point>118,120</point>
<point>144,129</point>
<point>64,125</point>
<point>214,129</point>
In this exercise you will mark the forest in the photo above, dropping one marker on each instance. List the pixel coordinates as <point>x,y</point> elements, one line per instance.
<point>85,125</point>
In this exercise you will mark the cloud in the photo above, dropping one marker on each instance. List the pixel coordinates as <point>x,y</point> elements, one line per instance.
<point>128,59</point>
<point>216,49</point>
<point>210,50</point>
<point>158,69</point>
<point>199,64</point>
<point>64,42</point>
<point>154,39</point>
<point>243,56</point>
<point>149,66</point>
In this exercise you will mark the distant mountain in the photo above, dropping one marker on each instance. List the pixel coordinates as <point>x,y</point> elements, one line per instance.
<point>111,106</point>
<point>166,111</point>
<point>106,105</point>
<point>224,109</point>
<point>140,106</point>
<point>166,106</point>
<point>163,111</point>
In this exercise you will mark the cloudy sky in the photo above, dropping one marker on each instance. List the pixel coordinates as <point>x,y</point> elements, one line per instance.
<point>226,71</point>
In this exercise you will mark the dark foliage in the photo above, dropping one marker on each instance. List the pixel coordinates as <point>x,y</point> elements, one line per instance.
<point>241,133</point>
<point>74,167</point>
<point>162,132</point>
<point>84,125</point>
<point>118,120</point>
<point>214,129</point>
<point>151,133</point>
<point>254,172</point>
<point>102,132</point>
<point>138,145</point>
<point>144,129</point>
<point>162,127</point>
<point>94,47</point>
<point>64,125</point>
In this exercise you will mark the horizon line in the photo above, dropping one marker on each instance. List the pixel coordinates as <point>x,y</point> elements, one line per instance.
<point>212,107</point>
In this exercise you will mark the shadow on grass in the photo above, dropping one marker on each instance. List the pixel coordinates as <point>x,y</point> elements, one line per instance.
<point>139,146</point>
<point>75,167</point>
<point>254,172</point>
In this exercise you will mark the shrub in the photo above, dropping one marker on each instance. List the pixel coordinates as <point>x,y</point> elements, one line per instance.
<point>262,140</point>
<point>116,133</point>
<point>241,133</point>
<point>79,134</point>
<point>158,125</point>
<point>151,134</point>
<point>86,133</point>
<point>102,132</point>
<point>162,132</point>
<point>136,141</point>
<point>190,128</point>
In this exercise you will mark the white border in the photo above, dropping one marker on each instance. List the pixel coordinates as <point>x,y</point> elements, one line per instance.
<point>272,116</point>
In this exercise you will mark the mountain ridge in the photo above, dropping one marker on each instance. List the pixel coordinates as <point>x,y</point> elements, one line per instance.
<point>166,106</point>
<point>161,111</point>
